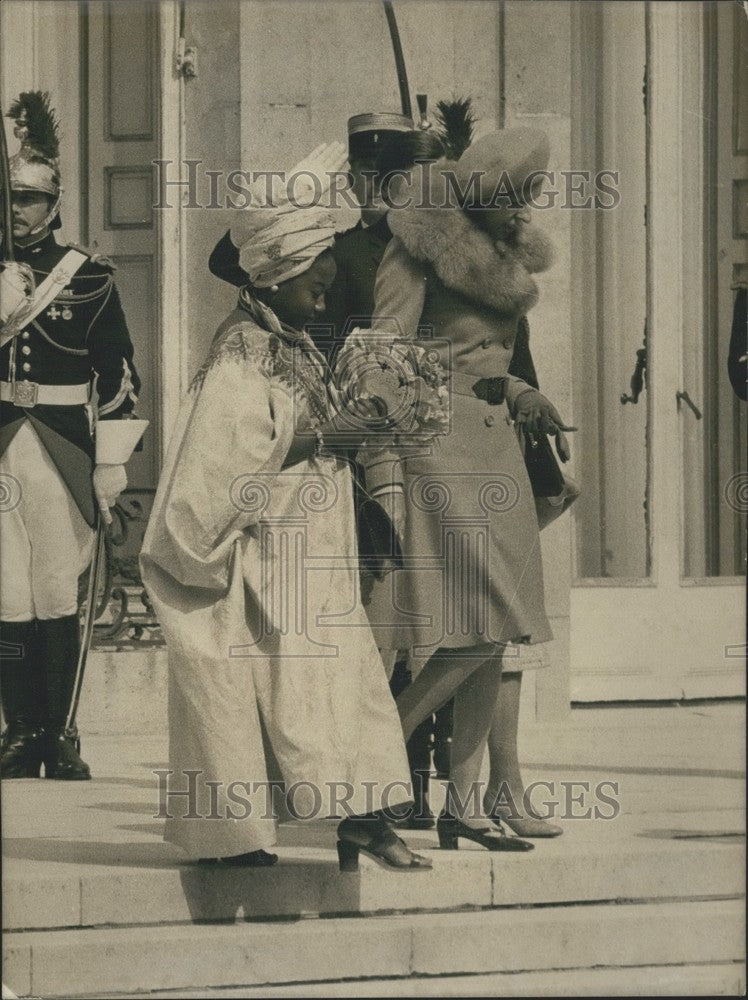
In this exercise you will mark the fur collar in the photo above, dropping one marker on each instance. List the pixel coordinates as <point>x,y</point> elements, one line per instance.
<point>466,260</point>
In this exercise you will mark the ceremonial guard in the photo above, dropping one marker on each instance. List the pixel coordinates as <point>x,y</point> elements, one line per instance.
<point>67,381</point>
<point>359,251</point>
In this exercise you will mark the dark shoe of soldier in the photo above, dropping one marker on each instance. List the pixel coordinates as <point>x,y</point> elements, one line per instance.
<point>252,859</point>
<point>21,750</point>
<point>60,642</point>
<point>422,818</point>
<point>22,691</point>
<point>62,760</point>
<point>411,816</point>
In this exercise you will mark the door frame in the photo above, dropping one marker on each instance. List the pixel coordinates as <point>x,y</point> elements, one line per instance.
<point>621,634</point>
<point>174,348</point>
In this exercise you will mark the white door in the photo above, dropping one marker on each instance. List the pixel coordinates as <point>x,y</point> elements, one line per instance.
<point>657,607</point>
<point>121,93</point>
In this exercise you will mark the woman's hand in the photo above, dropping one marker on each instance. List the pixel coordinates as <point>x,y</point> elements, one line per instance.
<point>539,416</point>
<point>346,431</point>
<point>358,420</point>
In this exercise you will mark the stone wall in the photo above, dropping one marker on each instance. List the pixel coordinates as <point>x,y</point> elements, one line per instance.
<point>275,79</point>
<point>212,131</point>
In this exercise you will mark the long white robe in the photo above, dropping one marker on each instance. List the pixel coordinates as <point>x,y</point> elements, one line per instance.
<point>252,573</point>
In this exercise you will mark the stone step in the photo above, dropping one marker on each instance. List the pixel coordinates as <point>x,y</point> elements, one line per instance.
<point>306,882</point>
<point>718,979</point>
<point>90,962</point>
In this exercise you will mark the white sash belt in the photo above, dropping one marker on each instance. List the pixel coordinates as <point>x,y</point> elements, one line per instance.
<point>28,394</point>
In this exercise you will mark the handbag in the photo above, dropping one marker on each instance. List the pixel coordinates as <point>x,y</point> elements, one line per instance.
<point>546,477</point>
<point>554,492</point>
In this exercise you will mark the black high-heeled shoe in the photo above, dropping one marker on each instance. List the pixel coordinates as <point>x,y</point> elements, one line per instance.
<point>252,859</point>
<point>493,838</point>
<point>380,842</point>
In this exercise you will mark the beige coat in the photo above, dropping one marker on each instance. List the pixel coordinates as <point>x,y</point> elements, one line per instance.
<point>473,571</point>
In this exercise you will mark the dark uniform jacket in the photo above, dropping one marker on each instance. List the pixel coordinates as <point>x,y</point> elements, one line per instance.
<point>350,300</point>
<point>358,254</point>
<point>80,337</point>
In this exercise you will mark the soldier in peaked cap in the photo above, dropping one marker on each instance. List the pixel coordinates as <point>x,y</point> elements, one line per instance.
<point>357,262</point>
<point>56,477</point>
<point>368,135</point>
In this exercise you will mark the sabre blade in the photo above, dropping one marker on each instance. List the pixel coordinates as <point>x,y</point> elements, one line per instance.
<point>94,578</point>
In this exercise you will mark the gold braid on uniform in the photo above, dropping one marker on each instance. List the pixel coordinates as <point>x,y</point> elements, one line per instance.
<point>68,298</point>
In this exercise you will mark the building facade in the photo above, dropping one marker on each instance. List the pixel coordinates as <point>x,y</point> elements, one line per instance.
<point>646,107</point>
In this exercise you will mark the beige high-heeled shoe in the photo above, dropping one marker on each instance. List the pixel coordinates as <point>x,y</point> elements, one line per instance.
<point>524,826</point>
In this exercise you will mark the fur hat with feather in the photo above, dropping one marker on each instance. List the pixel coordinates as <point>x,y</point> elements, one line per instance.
<point>455,125</point>
<point>436,231</point>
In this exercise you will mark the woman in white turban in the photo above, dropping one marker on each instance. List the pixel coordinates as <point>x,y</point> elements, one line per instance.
<point>250,561</point>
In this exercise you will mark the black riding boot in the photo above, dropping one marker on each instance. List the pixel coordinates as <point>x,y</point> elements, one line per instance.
<point>419,760</point>
<point>443,740</point>
<point>22,692</point>
<point>400,679</point>
<point>60,643</point>
<point>417,816</point>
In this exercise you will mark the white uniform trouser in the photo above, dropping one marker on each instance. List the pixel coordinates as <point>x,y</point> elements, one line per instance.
<point>45,544</point>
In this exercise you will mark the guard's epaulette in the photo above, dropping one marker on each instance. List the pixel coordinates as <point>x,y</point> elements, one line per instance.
<point>94,256</point>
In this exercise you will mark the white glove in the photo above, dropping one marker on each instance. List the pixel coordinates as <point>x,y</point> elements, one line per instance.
<point>108,482</point>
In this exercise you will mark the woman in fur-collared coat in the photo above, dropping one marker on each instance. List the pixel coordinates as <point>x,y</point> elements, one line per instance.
<point>472,579</point>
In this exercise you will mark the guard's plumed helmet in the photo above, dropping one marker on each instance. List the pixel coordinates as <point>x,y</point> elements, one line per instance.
<point>36,166</point>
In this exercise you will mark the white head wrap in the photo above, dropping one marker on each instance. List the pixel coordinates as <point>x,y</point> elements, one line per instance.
<point>292,219</point>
